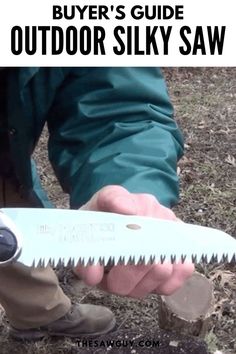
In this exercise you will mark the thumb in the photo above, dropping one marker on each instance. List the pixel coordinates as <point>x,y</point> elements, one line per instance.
<point>114,199</point>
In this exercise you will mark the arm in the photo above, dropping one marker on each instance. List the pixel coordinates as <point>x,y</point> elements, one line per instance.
<point>114,126</point>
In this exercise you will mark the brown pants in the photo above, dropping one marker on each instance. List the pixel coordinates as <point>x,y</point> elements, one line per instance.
<point>31,297</point>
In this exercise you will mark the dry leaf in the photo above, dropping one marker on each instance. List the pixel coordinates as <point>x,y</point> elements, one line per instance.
<point>230,160</point>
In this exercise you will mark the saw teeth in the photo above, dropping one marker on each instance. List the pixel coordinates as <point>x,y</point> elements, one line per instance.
<point>101,261</point>
<point>131,260</point>
<point>152,259</point>
<point>110,262</point>
<point>224,258</point>
<point>141,260</point>
<point>214,259</point>
<point>60,262</point>
<point>71,263</point>
<point>41,263</point>
<point>51,262</point>
<point>121,260</point>
<point>204,258</point>
<point>233,260</point>
<point>80,262</point>
<point>162,259</point>
<point>90,261</point>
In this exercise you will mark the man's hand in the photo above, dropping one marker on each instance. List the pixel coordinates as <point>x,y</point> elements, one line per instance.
<point>134,281</point>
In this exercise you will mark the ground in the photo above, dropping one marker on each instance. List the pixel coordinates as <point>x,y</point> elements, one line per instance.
<point>205,106</point>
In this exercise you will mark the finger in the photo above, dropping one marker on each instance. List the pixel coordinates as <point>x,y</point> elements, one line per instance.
<point>148,205</point>
<point>112,198</point>
<point>91,275</point>
<point>116,199</point>
<point>155,277</point>
<point>181,272</point>
<point>122,280</point>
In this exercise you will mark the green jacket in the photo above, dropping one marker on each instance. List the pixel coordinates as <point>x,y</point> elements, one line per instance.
<point>106,125</point>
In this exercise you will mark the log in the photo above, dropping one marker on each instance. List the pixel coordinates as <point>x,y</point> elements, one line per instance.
<point>189,309</point>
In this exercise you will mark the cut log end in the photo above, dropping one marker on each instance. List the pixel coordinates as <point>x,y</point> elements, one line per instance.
<point>189,309</point>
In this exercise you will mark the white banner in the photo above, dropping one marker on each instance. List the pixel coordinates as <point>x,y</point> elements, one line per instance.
<point>116,33</point>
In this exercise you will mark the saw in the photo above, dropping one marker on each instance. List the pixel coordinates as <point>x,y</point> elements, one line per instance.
<point>41,237</point>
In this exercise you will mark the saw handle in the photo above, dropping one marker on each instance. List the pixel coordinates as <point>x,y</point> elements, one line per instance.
<point>8,245</point>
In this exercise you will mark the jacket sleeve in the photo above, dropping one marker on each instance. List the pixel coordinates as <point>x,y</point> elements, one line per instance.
<point>114,126</point>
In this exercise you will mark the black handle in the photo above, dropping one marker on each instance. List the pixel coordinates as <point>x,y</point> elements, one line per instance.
<point>8,244</point>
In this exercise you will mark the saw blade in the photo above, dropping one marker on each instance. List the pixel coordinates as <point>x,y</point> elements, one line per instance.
<point>70,237</point>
